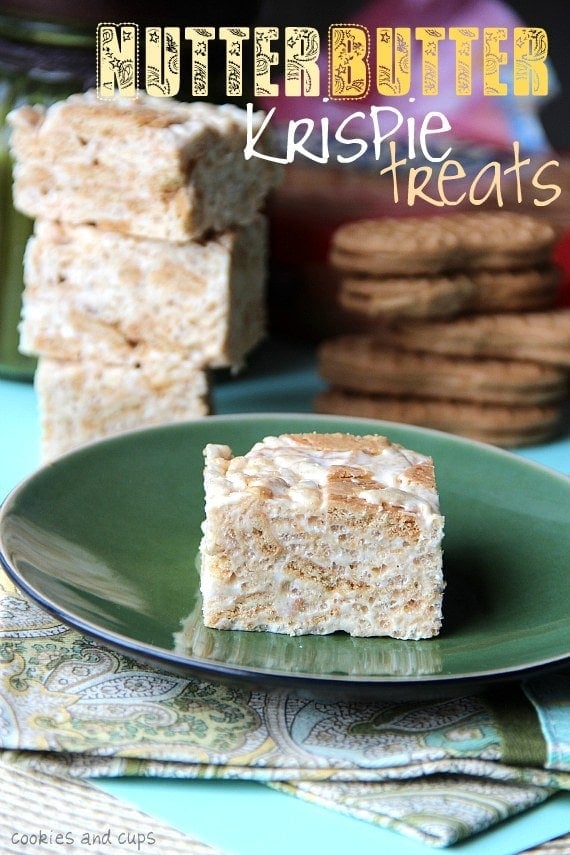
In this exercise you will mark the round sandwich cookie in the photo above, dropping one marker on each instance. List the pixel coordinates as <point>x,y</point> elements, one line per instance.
<point>407,296</point>
<point>467,240</point>
<point>525,289</point>
<point>534,336</point>
<point>392,247</point>
<point>504,426</point>
<point>502,239</point>
<point>362,363</point>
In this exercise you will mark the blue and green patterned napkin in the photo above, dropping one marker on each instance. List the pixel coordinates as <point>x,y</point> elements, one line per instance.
<point>438,772</point>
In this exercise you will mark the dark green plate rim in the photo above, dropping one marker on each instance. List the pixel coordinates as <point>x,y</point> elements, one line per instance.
<point>415,685</point>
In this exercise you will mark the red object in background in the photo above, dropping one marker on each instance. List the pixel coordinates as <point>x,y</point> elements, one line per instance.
<point>562,258</point>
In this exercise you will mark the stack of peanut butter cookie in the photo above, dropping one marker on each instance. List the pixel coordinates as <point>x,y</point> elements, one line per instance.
<point>147,264</point>
<point>468,339</point>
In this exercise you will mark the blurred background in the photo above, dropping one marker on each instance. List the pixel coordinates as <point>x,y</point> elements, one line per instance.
<point>47,51</point>
<point>551,15</point>
<point>315,200</point>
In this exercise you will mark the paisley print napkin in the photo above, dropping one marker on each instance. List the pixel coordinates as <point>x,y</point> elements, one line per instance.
<point>438,772</point>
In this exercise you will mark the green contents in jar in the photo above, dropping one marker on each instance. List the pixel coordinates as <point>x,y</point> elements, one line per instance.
<point>39,63</point>
<point>15,229</point>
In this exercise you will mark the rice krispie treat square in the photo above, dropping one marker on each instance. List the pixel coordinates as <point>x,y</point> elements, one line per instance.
<point>153,167</point>
<point>94,294</point>
<point>82,401</point>
<point>315,533</point>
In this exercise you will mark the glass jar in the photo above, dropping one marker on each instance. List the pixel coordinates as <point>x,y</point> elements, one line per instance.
<point>40,62</point>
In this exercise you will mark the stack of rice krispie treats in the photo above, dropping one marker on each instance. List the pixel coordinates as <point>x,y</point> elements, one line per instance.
<point>147,265</point>
<point>468,337</point>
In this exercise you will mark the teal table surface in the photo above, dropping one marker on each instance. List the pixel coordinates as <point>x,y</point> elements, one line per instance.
<point>245,818</point>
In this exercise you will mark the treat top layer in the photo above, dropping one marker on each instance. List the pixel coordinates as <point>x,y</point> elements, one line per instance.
<point>311,469</point>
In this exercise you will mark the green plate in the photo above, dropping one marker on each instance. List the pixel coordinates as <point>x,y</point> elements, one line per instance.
<point>107,539</point>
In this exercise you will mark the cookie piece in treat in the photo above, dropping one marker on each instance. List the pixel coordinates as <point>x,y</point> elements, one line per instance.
<point>154,167</point>
<point>407,296</point>
<point>83,401</point>
<point>504,426</point>
<point>316,533</point>
<point>395,247</point>
<point>533,336</point>
<point>100,295</point>
<point>362,363</point>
